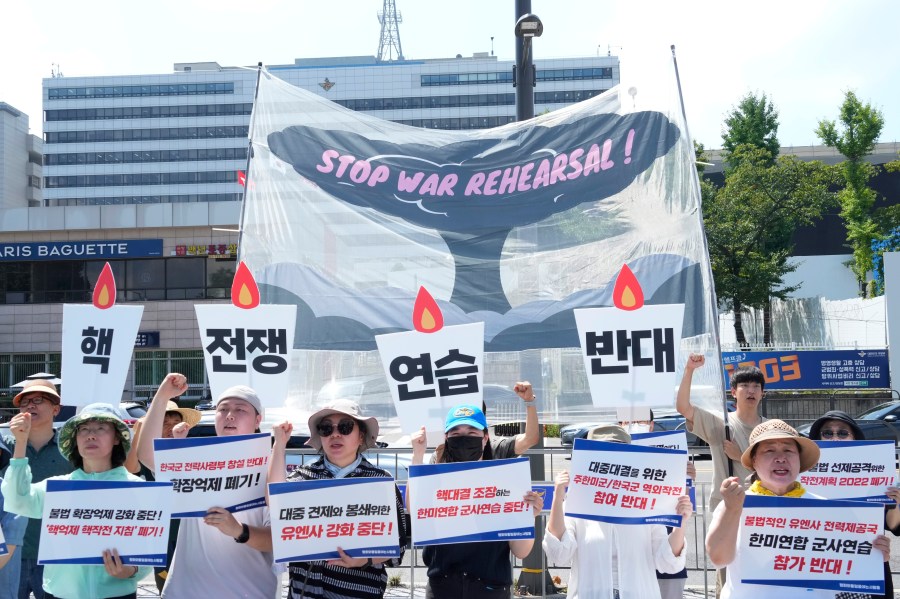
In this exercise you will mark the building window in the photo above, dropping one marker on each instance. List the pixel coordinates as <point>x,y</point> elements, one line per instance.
<point>169,133</point>
<point>147,112</point>
<point>135,91</point>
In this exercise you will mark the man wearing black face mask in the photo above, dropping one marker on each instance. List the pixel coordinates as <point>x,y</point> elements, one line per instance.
<point>472,570</point>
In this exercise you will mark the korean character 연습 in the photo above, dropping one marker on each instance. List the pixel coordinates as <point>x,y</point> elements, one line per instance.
<point>96,346</point>
<point>404,369</point>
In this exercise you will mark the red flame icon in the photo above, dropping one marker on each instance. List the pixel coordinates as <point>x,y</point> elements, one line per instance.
<point>244,292</point>
<point>627,292</point>
<point>427,317</point>
<point>105,290</point>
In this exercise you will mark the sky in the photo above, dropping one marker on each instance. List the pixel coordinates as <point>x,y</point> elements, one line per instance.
<point>803,54</point>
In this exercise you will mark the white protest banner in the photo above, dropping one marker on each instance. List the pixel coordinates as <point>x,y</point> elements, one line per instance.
<point>433,368</point>
<point>664,439</point>
<point>861,470</point>
<point>454,503</point>
<point>83,518</point>
<point>248,343</point>
<point>312,518</point>
<point>205,472</point>
<point>811,543</point>
<point>625,484</point>
<point>97,343</point>
<point>629,350</point>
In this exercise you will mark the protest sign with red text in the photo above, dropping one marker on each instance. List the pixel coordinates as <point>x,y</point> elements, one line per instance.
<point>206,472</point>
<point>811,543</point>
<point>470,502</point>
<point>625,484</point>
<point>83,518</point>
<point>861,470</point>
<point>312,518</point>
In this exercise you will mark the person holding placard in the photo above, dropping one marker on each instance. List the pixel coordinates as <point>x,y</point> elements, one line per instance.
<point>777,455</point>
<point>838,425</point>
<point>609,560</point>
<point>341,434</point>
<point>472,570</point>
<point>95,441</point>
<point>40,399</point>
<point>236,546</point>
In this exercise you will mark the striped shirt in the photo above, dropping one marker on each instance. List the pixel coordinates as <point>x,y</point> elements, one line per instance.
<point>319,580</point>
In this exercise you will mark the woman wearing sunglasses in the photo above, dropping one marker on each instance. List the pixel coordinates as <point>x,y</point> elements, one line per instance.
<point>340,434</point>
<point>839,426</point>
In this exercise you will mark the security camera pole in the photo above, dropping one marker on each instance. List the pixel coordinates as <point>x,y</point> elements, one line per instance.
<point>528,26</point>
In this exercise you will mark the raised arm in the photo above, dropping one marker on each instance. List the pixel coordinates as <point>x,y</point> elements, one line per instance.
<point>532,434</point>
<point>277,463</point>
<point>172,386</point>
<point>132,463</point>
<point>683,398</point>
<point>721,540</point>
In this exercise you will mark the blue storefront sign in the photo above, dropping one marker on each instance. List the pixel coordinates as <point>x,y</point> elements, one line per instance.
<point>103,249</point>
<point>820,369</point>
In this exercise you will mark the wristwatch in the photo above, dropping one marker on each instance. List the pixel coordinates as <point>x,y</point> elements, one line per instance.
<point>244,536</point>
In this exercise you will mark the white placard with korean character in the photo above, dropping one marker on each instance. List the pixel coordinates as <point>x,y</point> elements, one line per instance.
<point>83,518</point>
<point>862,470</point>
<point>248,347</point>
<point>630,356</point>
<point>811,544</point>
<point>312,518</point>
<point>429,373</point>
<point>228,472</point>
<point>96,351</point>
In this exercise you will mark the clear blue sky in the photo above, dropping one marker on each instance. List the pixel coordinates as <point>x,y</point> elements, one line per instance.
<point>802,53</point>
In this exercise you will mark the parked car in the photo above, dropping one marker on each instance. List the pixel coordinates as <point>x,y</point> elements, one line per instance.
<point>881,423</point>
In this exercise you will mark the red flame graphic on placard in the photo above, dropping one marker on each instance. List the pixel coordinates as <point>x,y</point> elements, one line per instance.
<point>427,317</point>
<point>244,292</point>
<point>627,292</point>
<point>105,290</point>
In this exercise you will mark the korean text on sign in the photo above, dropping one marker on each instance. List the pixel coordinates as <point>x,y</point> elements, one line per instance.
<point>311,519</point>
<point>207,472</point>
<point>625,484</point>
<point>82,518</point>
<point>861,470</point>
<point>470,502</point>
<point>811,543</point>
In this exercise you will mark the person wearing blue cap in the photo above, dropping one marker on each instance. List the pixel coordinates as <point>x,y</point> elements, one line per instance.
<point>472,570</point>
<point>95,441</point>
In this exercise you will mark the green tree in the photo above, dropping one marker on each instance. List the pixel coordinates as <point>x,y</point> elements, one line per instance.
<point>855,136</point>
<point>750,223</point>
<point>753,121</point>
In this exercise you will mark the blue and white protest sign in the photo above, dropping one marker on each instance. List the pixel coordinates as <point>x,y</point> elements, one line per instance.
<point>312,518</point>
<point>228,472</point>
<point>811,544</point>
<point>861,470</point>
<point>83,518</point>
<point>3,548</point>
<point>470,502</point>
<point>625,484</point>
<point>664,439</point>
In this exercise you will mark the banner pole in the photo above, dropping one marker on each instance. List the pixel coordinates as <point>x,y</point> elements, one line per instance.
<point>714,303</point>
<point>249,156</point>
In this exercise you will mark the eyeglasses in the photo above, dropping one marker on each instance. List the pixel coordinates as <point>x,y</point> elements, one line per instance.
<point>34,400</point>
<point>344,427</point>
<point>840,434</point>
<point>99,429</point>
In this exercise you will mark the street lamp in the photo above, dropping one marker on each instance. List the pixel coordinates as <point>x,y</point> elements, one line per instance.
<point>528,26</point>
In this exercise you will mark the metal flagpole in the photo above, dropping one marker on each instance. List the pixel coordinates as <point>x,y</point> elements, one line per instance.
<point>249,157</point>
<point>712,289</point>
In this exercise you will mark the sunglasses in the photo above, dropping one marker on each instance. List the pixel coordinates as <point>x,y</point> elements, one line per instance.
<point>840,434</point>
<point>344,427</point>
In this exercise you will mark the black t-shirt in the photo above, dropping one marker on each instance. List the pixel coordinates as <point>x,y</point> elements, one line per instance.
<point>488,561</point>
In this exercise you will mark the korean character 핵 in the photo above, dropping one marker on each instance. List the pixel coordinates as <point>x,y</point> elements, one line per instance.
<point>222,340</point>
<point>405,368</point>
<point>96,346</point>
<point>459,380</point>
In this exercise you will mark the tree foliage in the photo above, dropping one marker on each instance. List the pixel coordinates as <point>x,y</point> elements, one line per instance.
<point>753,121</point>
<point>855,136</point>
<point>750,223</point>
